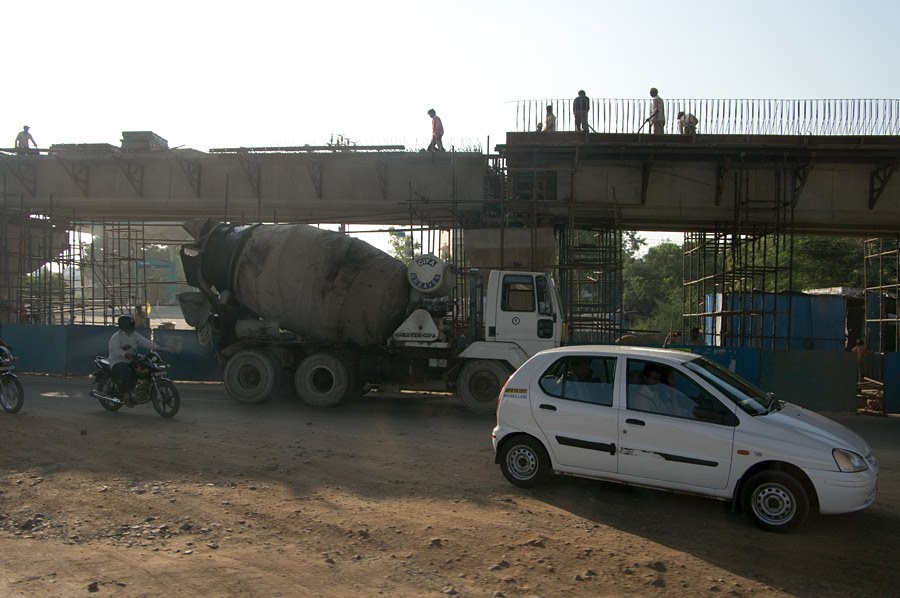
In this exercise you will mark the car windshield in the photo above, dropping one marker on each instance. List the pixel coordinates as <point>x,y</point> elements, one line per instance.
<point>746,396</point>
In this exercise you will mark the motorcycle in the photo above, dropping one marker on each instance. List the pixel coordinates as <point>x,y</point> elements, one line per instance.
<point>12,395</point>
<point>151,385</point>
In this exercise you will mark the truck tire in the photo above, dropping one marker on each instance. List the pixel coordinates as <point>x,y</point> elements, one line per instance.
<point>324,380</point>
<point>479,385</point>
<point>250,376</point>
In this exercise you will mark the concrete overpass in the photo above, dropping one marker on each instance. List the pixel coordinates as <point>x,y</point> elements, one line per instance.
<point>834,184</point>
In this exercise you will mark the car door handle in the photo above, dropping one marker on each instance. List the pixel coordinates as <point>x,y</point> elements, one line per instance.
<point>547,407</point>
<point>636,422</point>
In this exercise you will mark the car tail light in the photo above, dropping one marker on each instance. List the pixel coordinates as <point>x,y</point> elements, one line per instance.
<point>502,390</point>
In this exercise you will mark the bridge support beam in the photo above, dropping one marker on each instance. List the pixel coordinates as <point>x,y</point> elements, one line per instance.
<point>878,180</point>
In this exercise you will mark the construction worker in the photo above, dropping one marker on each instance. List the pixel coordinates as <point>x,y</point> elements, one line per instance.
<point>657,118</point>
<point>437,132</point>
<point>23,139</point>
<point>580,108</point>
<point>550,120</point>
<point>687,123</point>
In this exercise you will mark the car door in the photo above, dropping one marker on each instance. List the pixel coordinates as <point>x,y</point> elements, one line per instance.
<point>673,430</point>
<point>576,413</point>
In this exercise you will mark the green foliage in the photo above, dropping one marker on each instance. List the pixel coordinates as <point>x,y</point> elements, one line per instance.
<point>652,297</point>
<point>653,282</point>
<point>827,262</point>
<point>402,246</point>
<point>44,281</point>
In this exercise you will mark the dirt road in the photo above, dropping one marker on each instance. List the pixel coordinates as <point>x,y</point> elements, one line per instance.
<point>393,497</point>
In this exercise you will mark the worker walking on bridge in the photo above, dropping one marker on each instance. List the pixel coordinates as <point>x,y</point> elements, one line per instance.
<point>657,118</point>
<point>437,132</point>
<point>23,139</point>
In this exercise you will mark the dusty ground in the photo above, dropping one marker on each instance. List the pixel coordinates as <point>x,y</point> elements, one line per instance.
<point>394,497</point>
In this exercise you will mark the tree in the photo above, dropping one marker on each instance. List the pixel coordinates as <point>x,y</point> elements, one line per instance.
<point>652,296</point>
<point>402,245</point>
<point>827,262</point>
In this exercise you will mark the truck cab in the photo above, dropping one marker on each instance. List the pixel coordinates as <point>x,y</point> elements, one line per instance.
<point>523,308</point>
<point>522,316</point>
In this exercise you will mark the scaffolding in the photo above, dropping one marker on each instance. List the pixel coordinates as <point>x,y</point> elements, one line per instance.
<point>591,283</point>
<point>882,286</point>
<point>55,270</point>
<point>736,287</point>
<point>30,290</point>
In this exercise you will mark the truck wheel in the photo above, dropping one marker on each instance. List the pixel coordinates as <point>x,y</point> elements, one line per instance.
<point>775,501</point>
<point>250,376</point>
<point>479,385</point>
<point>324,380</point>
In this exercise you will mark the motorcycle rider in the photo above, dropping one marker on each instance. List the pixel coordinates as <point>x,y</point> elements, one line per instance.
<point>123,347</point>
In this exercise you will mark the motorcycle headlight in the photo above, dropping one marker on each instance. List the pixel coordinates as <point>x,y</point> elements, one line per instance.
<point>848,461</point>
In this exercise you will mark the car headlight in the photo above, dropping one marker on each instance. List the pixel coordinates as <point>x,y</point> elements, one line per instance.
<point>849,461</point>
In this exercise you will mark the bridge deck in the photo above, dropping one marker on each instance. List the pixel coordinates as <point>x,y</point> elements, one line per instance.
<point>668,182</point>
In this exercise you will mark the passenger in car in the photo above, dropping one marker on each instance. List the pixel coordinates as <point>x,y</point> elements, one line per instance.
<point>579,370</point>
<point>673,401</point>
<point>645,396</point>
<point>580,384</point>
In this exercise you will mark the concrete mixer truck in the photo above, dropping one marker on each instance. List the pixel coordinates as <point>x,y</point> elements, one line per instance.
<point>340,317</point>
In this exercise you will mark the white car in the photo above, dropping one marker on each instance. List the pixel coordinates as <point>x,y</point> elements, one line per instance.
<point>676,421</point>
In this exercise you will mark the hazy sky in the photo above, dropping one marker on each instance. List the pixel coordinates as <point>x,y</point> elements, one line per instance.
<point>207,74</point>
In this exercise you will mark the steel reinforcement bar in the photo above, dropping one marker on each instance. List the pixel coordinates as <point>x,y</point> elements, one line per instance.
<point>726,116</point>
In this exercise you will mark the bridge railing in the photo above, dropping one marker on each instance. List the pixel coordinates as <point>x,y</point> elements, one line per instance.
<point>726,116</point>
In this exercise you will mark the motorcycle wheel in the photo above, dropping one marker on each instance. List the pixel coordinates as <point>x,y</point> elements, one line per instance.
<point>107,387</point>
<point>167,401</point>
<point>12,395</point>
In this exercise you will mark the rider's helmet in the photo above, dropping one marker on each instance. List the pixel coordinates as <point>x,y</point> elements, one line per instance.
<point>126,323</point>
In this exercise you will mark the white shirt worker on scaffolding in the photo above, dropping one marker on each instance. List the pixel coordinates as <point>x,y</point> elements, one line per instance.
<point>657,118</point>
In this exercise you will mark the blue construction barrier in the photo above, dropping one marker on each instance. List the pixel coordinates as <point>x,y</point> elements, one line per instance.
<point>822,380</point>
<point>69,350</point>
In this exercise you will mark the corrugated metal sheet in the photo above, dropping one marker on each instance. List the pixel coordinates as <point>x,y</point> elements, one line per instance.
<point>797,322</point>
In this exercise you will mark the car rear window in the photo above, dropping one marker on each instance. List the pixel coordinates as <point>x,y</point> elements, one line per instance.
<point>588,379</point>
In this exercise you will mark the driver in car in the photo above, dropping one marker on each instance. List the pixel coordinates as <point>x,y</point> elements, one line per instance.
<point>123,347</point>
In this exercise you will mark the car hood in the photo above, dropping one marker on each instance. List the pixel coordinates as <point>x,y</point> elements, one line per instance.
<point>795,419</point>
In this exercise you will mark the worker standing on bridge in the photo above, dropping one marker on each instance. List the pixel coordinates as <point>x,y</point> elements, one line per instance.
<point>437,132</point>
<point>657,118</point>
<point>580,108</point>
<point>23,139</point>
<point>550,120</point>
<point>687,123</point>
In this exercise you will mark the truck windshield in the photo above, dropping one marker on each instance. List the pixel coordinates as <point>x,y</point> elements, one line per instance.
<point>743,394</point>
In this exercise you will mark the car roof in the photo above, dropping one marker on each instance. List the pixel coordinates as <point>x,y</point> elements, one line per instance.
<point>628,351</point>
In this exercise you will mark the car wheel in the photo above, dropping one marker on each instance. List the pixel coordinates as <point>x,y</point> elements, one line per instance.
<point>479,385</point>
<point>524,461</point>
<point>250,376</point>
<point>775,501</point>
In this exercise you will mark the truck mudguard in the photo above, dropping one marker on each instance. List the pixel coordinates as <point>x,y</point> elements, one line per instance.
<point>511,353</point>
